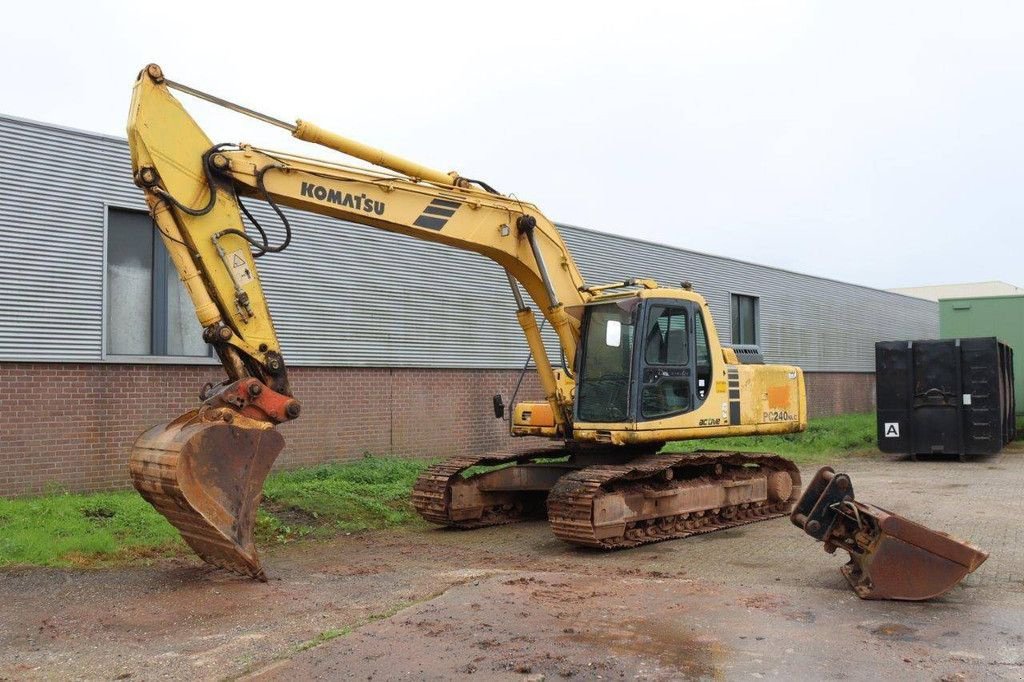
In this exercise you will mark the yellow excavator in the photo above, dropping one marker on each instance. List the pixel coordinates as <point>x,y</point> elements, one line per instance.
<point>642,366</point>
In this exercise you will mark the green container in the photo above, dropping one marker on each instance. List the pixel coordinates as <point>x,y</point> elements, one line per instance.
<point>999,316</point>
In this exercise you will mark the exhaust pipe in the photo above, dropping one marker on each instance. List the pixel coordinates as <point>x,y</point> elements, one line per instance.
<point>891,557</point>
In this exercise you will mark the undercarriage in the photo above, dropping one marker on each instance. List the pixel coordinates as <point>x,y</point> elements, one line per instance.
<point>609,498</point>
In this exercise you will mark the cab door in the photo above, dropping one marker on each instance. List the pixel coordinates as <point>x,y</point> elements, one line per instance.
<point>668,382</point>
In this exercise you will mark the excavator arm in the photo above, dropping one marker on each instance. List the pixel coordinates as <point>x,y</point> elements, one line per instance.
<point>205,470</point>
<point>193,190</point>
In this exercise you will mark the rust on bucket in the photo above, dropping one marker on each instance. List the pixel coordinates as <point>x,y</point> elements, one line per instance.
<point>891,557</point>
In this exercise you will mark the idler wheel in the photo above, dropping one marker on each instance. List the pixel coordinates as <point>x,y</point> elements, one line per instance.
<point>780,486</point>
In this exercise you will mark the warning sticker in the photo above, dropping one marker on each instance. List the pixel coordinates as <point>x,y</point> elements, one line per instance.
<point>240,267</point>
<point>892,429</point>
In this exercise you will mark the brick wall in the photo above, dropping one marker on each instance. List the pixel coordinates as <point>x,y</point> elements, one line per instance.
<point>347,412</point>
<point>71,425</point>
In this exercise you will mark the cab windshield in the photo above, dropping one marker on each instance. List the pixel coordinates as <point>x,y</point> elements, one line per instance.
<point>604,378</point>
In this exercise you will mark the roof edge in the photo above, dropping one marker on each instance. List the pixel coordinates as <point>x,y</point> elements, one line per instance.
<point>68,129</point>
<point>961,299</point>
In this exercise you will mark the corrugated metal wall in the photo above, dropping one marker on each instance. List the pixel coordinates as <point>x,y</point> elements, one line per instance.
<point>350,295</point>
<point>53,183</point>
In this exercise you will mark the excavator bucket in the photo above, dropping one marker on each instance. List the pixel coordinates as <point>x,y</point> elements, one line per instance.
<point>891,557</point>
<point>204,472</point>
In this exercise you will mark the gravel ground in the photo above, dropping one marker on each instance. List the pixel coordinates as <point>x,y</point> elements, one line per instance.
<point>512,602</point>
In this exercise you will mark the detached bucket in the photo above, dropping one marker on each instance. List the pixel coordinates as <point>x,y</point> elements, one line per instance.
<point>204,472</point>
<point>891,557</point>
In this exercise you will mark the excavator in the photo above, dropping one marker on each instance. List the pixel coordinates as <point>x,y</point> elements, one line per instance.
<point>641,363</point>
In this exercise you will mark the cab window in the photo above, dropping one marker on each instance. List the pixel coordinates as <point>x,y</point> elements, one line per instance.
<point>603,383</point>
<point>703,349</point>
<point>666,339</point>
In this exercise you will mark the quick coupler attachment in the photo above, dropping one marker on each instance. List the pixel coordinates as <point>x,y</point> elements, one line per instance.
<point>891,557</point>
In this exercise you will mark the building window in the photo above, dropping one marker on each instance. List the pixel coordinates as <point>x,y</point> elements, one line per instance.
<point>744,320</point>
<point>148,311</point>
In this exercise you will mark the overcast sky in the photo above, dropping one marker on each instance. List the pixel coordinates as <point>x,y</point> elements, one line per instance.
<point>877,143</point>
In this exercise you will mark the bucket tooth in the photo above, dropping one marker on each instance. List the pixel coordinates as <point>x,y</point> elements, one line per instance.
<point>204,473</point>
<point>891,557</point>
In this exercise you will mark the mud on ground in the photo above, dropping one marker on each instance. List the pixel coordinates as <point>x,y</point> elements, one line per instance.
<point>513,603</point>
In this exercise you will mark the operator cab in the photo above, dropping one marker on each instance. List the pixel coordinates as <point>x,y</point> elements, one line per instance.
<point>642,359</point>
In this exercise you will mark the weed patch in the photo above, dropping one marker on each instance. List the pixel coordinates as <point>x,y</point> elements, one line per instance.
<point>323,637</point>
<point>371,493</point>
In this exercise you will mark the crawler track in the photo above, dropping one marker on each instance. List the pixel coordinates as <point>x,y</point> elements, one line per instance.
<point>431,495</point>
<point>571,502</point>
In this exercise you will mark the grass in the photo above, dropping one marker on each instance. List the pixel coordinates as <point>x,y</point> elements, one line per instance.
<point>323,638</point>
<point>824,438</point>
<point>63,529</point>
<point>371,493</point>
<point>334,633</point>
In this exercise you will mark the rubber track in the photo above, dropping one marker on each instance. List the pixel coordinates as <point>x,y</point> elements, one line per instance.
<point>571,501</point>
<point>432,499</point>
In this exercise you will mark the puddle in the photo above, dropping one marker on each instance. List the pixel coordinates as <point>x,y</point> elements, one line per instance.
<point>693,655</point>
<point>895,631</point>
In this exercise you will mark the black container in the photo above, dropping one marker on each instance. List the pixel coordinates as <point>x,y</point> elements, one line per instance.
<point>952,396</point>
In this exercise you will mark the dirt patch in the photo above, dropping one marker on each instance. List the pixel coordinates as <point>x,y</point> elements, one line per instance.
<point>767,602</point>
<point>504,626</point>
<point>291,516</point>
